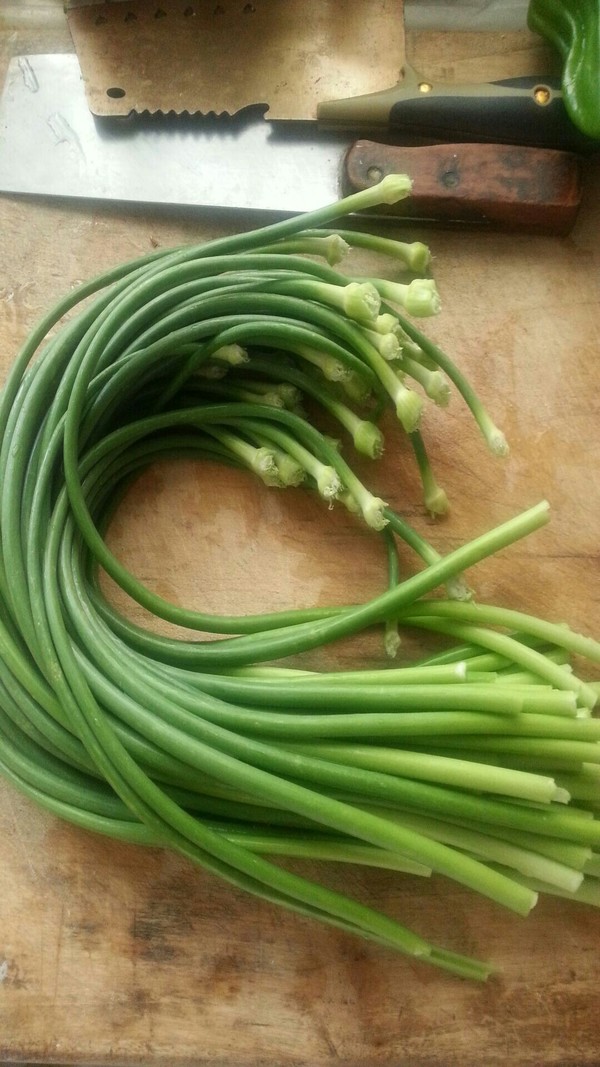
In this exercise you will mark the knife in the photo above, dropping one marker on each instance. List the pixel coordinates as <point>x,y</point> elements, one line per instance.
<point>527,110</point>
<point>50,144</point>
<point>522,111</point>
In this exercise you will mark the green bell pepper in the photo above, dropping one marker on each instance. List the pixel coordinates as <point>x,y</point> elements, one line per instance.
<point>573,27</point>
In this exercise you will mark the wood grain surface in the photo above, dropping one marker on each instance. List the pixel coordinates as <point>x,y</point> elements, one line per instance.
<point>119,956</point>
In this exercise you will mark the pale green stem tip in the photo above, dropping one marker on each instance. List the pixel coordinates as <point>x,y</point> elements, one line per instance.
<point>392,188</point>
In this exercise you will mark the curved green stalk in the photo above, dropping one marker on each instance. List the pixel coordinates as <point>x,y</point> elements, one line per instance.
<point>458,765</point>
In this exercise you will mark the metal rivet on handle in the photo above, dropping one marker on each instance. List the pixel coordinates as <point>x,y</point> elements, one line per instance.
<point>542,95</point>
<point>374,174</point>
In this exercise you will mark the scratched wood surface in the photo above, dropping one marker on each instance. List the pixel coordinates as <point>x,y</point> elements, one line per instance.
<point>116,956</point>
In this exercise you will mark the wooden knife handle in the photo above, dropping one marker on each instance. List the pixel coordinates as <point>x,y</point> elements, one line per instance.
<point>503,186</point>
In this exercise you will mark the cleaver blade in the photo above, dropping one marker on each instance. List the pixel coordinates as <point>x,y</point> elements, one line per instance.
<point>465,16</point>
<point>51,145</point>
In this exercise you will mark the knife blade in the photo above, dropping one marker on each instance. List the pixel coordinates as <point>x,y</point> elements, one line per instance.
<point>465,16</point>
<point>51,145</point>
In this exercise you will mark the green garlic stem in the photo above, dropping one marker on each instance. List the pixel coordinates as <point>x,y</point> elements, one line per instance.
<point>419,298</point>
<point>415,255</point>
<point>447,770</point>
<point>331,246</point>
<point>433,382</point>
<point>494,437</point>
<point>435,498</point>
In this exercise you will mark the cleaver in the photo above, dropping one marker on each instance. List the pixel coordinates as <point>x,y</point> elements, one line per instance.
<point>52,145</point>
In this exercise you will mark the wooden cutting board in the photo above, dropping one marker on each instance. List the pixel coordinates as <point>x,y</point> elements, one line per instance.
<point>116,956</point>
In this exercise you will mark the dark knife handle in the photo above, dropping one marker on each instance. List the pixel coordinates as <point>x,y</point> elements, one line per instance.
<point>523,111</point>
<point>503,186</point>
